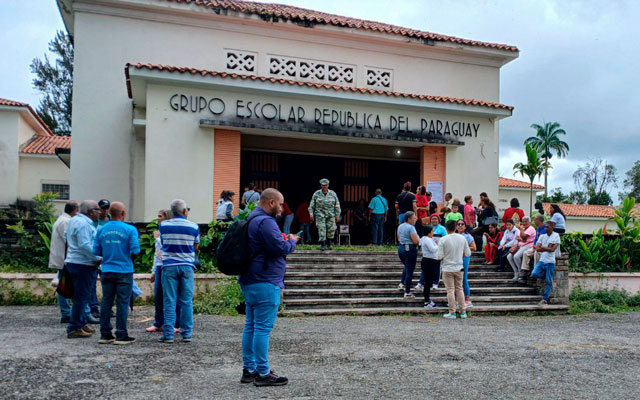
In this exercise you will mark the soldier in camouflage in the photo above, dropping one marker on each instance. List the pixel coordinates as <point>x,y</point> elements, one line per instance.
<point>325,210</point>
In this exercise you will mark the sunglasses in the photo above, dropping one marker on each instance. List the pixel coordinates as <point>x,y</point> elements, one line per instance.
<point>460,224</point>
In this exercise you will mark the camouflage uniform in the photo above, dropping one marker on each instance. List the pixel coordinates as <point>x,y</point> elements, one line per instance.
<point>325,209</point>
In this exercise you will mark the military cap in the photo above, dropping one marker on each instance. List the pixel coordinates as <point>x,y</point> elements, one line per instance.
<point>324,181</point>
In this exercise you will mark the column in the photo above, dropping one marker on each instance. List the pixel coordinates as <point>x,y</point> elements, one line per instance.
<point>433,161</point>
<point>226,165</point>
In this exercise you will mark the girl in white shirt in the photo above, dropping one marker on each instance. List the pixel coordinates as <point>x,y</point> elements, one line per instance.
<point>430,264</point>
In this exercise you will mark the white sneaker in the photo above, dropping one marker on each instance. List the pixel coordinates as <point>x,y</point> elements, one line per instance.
<point>463,315</point>
<point>434,287</point>
<point>450,316</point>
<point>55,282</point>
<point>418,288</point>
<point>468,304</point>
<point>430,305</point>
<point>400,286</point>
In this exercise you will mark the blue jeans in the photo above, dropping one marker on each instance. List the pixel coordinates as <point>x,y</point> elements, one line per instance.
<point>377,229</point>
<point>93,303</point>
<point>83,277</point>
<point>465,281</point>
<point>306,233</point>
<point>409,259</point>
<point>177,288</point>
<point>116,286</point>
<point>286,226</point>
<point>159,301</point>
<point>263,300</point>
<point>544,271</point>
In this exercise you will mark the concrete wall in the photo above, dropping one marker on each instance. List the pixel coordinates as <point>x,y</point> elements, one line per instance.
<point>104,164</point>
<point>39,169</point>
<point>608,280</point>
<point>9,126</point>
<point>585,224</point>
<point>506,194</point>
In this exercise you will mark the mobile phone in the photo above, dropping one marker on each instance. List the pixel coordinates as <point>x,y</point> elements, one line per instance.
<point>299,234</point>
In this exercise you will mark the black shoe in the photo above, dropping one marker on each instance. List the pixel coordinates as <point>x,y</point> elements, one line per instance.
<point>186,340</point>
<point>65,320</point>
<point>248,377</point>
<point>323,247</point>
<point>329,244</point>
<point>270,379</point>
<point>106,339</point>
<point>125,340</point>
<point>91,319</point>
<point>165,340</point>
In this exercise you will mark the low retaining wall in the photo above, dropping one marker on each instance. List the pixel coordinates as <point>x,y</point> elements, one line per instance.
<point>39,284</point>
<point>606,280</point>
<point>560,291</point>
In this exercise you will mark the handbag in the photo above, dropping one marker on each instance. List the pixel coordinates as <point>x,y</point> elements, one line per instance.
<point>65,284</point>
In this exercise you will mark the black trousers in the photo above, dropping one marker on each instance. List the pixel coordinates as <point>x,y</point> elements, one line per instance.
<point>431,270</point>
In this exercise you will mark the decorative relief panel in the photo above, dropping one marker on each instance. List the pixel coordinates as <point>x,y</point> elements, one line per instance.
<point>241,61</point>
<point>379,78</point>
<point>311,70</point>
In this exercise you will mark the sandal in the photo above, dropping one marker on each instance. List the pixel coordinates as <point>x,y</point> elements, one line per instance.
<point>153,328</point>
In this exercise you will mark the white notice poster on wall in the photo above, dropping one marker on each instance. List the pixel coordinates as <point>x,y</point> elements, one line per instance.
<point>437,190</point>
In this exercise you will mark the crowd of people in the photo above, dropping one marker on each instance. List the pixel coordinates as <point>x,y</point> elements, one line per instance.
<point>516,243</point>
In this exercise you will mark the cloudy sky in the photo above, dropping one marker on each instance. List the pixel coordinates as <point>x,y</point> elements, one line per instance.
<point>579,64</point>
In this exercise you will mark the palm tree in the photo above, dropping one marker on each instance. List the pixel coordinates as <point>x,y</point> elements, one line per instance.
<point>534,167</point>
<point>547,141</point>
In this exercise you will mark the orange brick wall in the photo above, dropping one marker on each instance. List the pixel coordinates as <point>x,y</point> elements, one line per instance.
<point>433,161</point>
<point>226,165</point>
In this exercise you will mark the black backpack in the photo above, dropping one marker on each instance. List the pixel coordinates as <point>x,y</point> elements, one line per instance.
<point>234,255</point>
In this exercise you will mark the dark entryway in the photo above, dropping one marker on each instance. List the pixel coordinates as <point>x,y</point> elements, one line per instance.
<point>297,176</point>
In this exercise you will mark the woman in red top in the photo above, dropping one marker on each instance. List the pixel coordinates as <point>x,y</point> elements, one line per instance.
<point>469,213</point>
<point>513,210</point>
<point>422,205</point>
<point>493,240</point>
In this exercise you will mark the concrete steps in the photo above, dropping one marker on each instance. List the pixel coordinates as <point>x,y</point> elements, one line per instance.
<point>365,283</point>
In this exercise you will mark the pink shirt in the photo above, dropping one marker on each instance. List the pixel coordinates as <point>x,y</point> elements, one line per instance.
<point>531,232</point>
<point>469,215</point>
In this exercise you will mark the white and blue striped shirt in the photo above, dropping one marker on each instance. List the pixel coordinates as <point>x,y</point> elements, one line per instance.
<point>178,235</point>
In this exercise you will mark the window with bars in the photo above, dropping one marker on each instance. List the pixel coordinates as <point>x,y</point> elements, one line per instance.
<point>61,190</point>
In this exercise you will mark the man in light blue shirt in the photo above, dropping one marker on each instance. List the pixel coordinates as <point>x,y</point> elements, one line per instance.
<point>82,266</point>
<point>117,242</point>
<point>378,208</point>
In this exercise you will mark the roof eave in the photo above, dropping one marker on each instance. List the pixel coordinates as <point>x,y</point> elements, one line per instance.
<point>66,12</point>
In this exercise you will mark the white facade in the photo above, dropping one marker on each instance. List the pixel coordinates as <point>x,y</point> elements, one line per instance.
<point>146,153</point>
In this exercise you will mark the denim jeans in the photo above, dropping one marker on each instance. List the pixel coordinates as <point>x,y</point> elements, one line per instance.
<point>93,302</point>
<point>63,302</point>
<point>286,226</point>
<point>83,277</point>
<point>306,233</point>
<point>377,229</point>
<point>544,271</point>
<point>177,288</point>
<point>262,300</point>
<point>409,259</point>
<point>116,286</point>
<point>159,301</point>
<point>465,281</point>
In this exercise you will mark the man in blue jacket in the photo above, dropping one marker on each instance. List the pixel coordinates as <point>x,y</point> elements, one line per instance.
<point>261,285</point>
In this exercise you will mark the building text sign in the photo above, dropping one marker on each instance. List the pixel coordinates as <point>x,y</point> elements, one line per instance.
<point>265,112</point>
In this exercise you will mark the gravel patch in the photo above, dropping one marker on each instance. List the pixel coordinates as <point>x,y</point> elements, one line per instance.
<point>560,357</point>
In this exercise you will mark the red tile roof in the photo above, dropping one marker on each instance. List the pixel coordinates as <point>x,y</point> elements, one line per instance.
<point>194,71</point>
<point>271,11</point>
<point>45,144</point>
<point>13,103</point>
<point>583,210</point>
<point>506,182</point>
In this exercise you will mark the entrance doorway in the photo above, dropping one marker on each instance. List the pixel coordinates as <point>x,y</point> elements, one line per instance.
<point>297,176</point>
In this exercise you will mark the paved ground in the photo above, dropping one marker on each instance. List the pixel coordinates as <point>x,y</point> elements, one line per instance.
<point>568,357</point>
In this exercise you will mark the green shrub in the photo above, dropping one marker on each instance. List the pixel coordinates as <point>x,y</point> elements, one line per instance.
<point>602,301</point>
<point>11,296</point>
<point>221,300</point>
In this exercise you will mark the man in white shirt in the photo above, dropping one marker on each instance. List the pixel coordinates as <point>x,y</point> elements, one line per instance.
<point>547,245</point>
<point>451,249</point>
<point>57,252</point>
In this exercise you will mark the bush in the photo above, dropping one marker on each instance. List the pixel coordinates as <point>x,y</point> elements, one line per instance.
<point>222,300</point>
<point>602,301</point>
<point>11,296</point>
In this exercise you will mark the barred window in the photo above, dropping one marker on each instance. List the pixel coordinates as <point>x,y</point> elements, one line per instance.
<point>60,190</point>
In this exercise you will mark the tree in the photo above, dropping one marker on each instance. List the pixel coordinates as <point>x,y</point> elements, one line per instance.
<point>55,82</point>
<point>594,179</point>
<point>632,182</point>
<point>534,167</point>
<point>546,142</point>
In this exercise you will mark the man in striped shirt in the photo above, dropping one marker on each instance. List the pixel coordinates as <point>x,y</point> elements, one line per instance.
<point>180,239</point>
